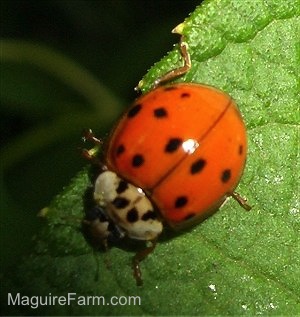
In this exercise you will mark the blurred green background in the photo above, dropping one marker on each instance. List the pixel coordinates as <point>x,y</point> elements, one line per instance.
<point>116,42</point>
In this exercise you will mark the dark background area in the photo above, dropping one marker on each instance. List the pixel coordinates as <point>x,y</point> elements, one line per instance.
<point>117,41</point>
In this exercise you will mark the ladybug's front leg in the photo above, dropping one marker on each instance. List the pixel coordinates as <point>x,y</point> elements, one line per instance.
<point>88,135</point>
<point>140,256</point>
<point>92,154</point>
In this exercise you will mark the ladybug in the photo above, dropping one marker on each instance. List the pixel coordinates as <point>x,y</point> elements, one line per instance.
<point>173,158</point>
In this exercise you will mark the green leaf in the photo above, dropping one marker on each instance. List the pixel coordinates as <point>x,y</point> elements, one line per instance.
<point>236,262</point>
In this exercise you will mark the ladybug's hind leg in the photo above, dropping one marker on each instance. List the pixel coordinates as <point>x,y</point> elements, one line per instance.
<point>242,201</point>
<point>140,256</point>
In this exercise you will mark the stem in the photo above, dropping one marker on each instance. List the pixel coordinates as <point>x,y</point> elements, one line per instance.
<point>105,106</point>
<point>64,69</point>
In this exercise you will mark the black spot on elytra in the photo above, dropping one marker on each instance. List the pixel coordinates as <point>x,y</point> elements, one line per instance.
<point>134,111</point>
<point>160,112</point>
<point>150,214</point>
<point>173,145</point>
<point>226,174</point>
<point>132,215</point>
<point>120,149</point>
<point>185,95</point>
<point>120,202</point>
<point>137,160</point>
<point>197,166</point>
<point>241,150</point>
<point>181,201</point>
<point>170,88</point>
<point>122,187</point>
<point>190,216</point>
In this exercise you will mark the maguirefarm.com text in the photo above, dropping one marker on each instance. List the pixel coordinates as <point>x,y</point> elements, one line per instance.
<point>71,299</point>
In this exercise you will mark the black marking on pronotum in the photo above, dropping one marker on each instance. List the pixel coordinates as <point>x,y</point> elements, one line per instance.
<point>134,111</point>
<point>226,174</point>
<point>122,187</point>
<point>120,149</point>
<point>137,160</point>
<point>197,166</point>
<point>185,95</point>
<point>160,112</point>
<point>132,215</point>
<point>120,202</point>
<point>150,214</point>
<point>173,145</point>
<point>181,201</point>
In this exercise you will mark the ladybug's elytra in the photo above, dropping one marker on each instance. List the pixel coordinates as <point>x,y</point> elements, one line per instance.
<point>173,158</point>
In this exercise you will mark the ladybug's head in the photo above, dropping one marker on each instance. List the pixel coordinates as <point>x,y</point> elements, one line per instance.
<point>126,206</point>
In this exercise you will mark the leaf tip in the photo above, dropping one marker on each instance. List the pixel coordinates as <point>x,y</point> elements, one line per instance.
<point>179,29</point>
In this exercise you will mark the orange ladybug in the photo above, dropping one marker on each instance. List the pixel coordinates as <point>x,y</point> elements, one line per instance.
<point>173,159</point>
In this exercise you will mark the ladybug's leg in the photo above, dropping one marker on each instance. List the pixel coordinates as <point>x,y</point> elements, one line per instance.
<point>91,154</point>
<point>242,201</point>
<point>180,70</point>
<point>140,256</point>
<point>88,135</point>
